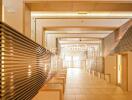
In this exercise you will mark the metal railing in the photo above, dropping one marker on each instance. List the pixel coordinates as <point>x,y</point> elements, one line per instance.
<point>24,65</point>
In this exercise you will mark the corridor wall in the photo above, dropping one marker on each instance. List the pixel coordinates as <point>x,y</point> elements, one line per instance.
<point>110,68</point>
<point>129,71</point>
<point>0,10</point>
<point>13,13</point>
<point>17,14</point>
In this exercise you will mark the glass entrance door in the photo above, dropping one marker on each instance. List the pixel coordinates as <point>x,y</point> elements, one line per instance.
<point>76,61</point>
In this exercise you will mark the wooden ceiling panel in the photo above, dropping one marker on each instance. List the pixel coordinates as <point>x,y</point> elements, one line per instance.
<point>79,6</point>
<point>83,6</point>
<point>107,1</point>
<point>113,7</point>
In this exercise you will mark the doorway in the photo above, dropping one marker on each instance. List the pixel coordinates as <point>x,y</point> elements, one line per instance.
<point>76,62</point>
<point>122,71</point>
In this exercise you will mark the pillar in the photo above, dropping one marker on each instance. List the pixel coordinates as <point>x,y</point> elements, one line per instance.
<point>27,21</point>
<point>0,10</point>
<point>0,46</point>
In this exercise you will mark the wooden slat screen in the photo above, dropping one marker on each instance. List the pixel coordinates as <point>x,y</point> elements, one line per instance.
<point>24,65</point>
<point>125,43</point>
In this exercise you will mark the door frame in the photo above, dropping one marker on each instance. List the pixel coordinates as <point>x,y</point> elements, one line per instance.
<point>124,71</point>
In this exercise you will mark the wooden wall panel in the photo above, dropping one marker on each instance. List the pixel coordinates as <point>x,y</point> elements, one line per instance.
<point>27,21</point>
<point>125,43</point>
<point>112,40</point>
<point>24,65</point>
<point>75,6</point>
<point>0,10</point>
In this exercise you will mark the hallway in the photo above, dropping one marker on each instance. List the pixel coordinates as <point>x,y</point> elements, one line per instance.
<point>65,49</point>
<point>81,85</point>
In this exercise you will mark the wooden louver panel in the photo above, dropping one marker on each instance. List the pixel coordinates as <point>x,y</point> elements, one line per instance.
<point>24,65</point>
<point>125,43</point>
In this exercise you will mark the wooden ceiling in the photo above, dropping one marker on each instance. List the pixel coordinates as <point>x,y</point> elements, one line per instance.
<point>78,6</point>
<point>72,6</point>
<point>111,1</point>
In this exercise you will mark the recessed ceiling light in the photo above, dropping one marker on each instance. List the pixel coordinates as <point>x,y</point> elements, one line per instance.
<point>83,14</point>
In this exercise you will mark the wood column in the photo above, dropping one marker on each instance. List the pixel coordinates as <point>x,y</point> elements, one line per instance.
<point>43,39</point>
<point>0,10</point>
<point>27,21</point>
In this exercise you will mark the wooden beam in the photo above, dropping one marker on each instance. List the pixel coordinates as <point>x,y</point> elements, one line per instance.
<point>80,28</point>
<point>73,6</point>
<point>107,1</point>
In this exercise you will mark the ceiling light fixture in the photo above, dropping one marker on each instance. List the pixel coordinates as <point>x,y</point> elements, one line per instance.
<point>83,14</point>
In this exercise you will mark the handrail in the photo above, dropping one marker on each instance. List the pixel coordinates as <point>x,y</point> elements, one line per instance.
<point>24,65</point>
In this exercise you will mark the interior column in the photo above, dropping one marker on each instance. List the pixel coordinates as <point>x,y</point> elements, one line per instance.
<point>0,10</point>
<point>27,21</point>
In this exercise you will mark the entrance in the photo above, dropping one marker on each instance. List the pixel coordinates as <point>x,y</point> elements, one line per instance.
<point>122,71</point>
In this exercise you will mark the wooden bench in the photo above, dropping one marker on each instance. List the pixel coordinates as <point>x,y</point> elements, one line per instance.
<point>50,92</point>
<point>54,88</point>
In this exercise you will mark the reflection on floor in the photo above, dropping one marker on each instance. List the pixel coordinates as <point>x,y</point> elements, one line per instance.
<point>81,85</point>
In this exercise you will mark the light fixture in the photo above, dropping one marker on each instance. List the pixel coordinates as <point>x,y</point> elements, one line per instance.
<point>83,14</point>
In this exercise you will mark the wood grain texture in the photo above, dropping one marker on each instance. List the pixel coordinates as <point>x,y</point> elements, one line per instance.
<point>73,6</point>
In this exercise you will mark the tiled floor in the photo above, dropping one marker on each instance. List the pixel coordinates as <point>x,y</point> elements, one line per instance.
<point>83,86</point>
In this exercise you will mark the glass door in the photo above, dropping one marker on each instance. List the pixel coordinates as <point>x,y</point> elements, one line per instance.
<point>76,61</point>
<point>67,61</point>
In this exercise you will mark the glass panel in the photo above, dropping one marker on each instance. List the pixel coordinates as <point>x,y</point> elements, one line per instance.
<point>76,61</point>
<point>67,61</point>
